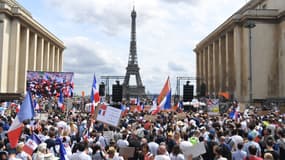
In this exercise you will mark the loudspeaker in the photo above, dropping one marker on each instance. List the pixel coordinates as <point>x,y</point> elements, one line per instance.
<point>188,92</point>
<point>117,90</point>
<point>102,89</point>
<point>203,90</point>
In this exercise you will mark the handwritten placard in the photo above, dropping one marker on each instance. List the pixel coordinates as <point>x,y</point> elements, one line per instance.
<point>127,152</point>
<point>195,150</point>
<point>151,118</point>
<point>108,114</point>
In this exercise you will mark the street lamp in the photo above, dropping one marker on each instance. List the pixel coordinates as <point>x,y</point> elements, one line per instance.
<point>250,24</point>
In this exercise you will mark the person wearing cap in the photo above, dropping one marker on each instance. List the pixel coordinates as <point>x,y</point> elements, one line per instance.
<point>251,143</point>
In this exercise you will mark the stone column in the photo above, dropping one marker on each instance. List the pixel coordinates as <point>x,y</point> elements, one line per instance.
<point>210,68</point>
<point>40,54</point>
<point>223,64</point>
<point>206,69</point>
<point>24,59</point>
<point>46,55</point>
<point>237,55</point>
<point>197,69</point>
<point>214,68</point>
<point>51,60</point>
<point>60,59</point>
<point>220,66</point>
<point>13,60</point>
<point>227,61</point>
<point>231,68</point>
<point>4,51</point>
<point>56,61</point>
<point>203,66</point>
<point>33,52</point>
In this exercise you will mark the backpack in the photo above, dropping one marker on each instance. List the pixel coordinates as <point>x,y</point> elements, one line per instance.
<point>226,152</point>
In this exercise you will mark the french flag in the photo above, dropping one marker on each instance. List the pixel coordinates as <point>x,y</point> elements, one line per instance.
<point>36,105</point>
<point>94,97</point>
<point>62,151</point>
<point>60,102</point>
<point>26,112</point>
<point>234,114</point>
<point>139,105</point>
<point>31,144</point>
<point>164,98</point>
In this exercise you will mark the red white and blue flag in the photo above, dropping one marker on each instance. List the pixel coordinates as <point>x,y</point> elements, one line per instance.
<point>26,112</point>
<point>36,105</point>
<point>94,97</point>
<point>60,102</point>
<point>164,98</point>
<point>31,144</point>
<point>102,110</point>
<point>62,151</point>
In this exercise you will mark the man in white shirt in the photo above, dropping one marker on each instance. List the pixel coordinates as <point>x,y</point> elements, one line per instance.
<point>162,153</point>
<point>123,142</point>
<point>82,152</point>
<point>153,146</point>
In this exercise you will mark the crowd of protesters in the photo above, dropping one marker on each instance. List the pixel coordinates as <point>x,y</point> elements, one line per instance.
<point>246,137</point>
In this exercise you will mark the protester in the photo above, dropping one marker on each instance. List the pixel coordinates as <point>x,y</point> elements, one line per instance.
<point>168,137</point>
<point>176,153</point>
<point>239,154</point>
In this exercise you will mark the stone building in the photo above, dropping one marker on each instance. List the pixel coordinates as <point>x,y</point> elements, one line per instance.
<point>25,45</point>
<point>223,62</point>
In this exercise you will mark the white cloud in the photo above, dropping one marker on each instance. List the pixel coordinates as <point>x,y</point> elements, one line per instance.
<point>167,33</point>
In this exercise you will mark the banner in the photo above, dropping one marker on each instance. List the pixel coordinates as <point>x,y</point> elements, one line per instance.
<point>109,115</point>
<point>195,150</point>
<point>213,107</point>
<point>49,84</point>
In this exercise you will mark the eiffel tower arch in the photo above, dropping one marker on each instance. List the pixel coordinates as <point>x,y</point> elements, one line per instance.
<point>137,90</point>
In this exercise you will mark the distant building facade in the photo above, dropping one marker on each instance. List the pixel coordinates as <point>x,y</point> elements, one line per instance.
<point>25,45</point>
<point>223,56</point>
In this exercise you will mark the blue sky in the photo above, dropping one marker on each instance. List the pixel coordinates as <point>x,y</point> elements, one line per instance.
<point>96,34</point>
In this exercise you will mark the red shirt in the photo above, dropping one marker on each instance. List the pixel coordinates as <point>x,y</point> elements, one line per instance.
<point>252,158</point>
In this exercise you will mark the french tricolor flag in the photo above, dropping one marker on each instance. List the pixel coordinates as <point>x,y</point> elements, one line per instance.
<point>31,144</point>
<point>60,102</point>
<point>26,112</point>
<point>94,97</point>
<point>62,151</point>
<point>164,98</point>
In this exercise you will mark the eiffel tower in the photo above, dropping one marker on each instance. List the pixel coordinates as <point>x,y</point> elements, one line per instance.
<point>137,90</point>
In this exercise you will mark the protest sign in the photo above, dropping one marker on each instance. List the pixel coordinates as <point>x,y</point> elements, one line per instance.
<point>108,135</point>
<point>195,150</point>
<point>127,152</point>
<point>42,116</point>
<point>109,115</point>
<point>151,118</point>
<point>181,116</point>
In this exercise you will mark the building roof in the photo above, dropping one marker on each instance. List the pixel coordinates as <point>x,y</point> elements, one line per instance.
<point>14,9</point>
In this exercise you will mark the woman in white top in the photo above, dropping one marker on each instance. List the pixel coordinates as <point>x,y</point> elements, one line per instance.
<point>176,153</point>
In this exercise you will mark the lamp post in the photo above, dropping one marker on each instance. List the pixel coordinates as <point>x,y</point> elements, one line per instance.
<point>250,24</point>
